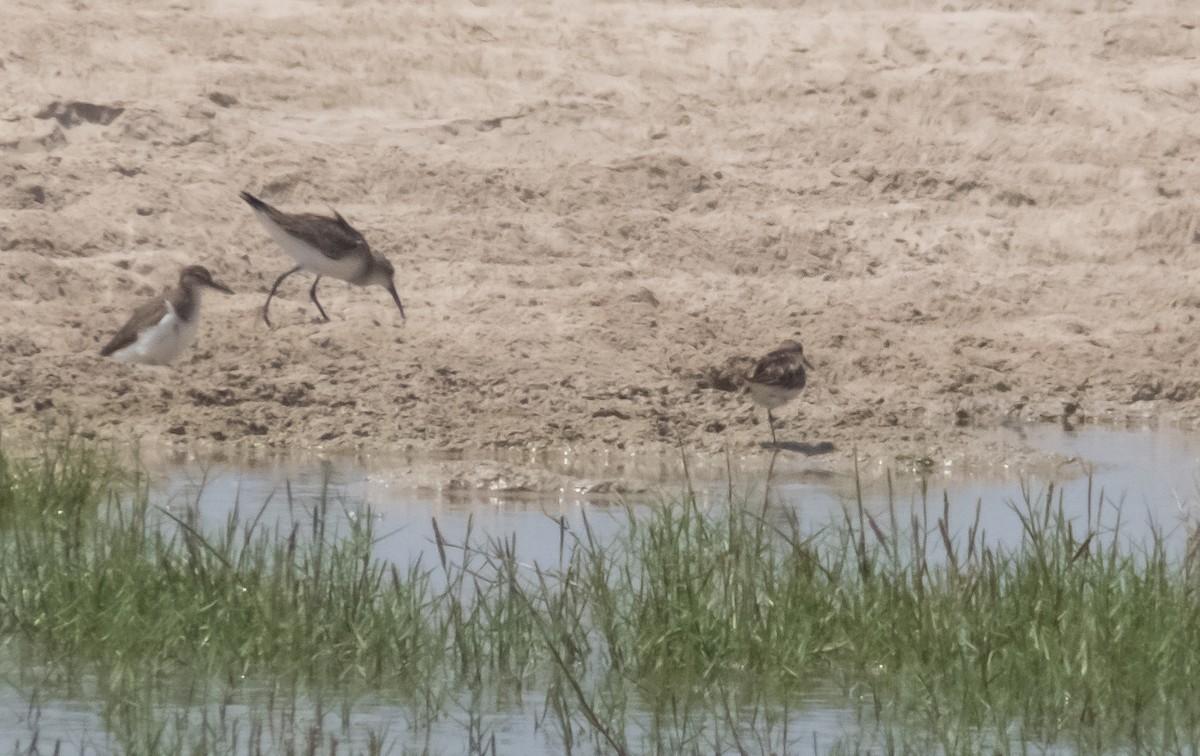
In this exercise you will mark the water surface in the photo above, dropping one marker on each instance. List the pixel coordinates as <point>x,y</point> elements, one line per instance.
<point>1148,477</point>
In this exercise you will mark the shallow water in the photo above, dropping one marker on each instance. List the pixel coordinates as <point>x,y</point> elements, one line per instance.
<point>1142,479</point>
<point>1151,474</point>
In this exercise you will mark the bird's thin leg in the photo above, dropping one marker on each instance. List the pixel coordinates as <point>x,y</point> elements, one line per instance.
<point>313,294</point>
<point>771,421</point>
<point>267,306</point>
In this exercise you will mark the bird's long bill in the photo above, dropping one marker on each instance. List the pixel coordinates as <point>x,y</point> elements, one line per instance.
<point>807,364</point>
<point>220,287</point>
<point>395,296</point>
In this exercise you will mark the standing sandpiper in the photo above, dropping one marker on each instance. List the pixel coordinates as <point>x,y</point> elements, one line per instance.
<point>778,377</point>
<point>163,327</point>
<point>325,246</point>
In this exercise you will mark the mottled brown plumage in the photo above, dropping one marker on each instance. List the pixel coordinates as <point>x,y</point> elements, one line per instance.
<point>332,237</point>
<point>778,377</point>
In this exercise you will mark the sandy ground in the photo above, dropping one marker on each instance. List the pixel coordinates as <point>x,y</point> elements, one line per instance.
<point>970,212</point>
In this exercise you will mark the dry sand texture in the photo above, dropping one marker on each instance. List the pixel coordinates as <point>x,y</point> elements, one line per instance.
<point>969,211</point>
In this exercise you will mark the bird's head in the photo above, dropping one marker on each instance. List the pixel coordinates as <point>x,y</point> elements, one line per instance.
<point>383,274</point>
<point>793,346</point>
<point>198,275</point>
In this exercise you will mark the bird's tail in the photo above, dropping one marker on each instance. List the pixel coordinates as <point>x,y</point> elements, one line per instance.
<point>254,202</point>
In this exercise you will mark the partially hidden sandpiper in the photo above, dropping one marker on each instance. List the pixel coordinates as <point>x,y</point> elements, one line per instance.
<point>325,246</point>
<point>778,378</point>
<point>162,328</point>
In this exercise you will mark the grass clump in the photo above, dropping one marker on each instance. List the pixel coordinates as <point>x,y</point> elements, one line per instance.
<point>1065,637</point>
<point>122,588</point>
<point>693,629</point>
<point>65,477</point>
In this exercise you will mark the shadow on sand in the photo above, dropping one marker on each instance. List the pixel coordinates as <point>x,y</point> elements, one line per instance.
<point>801,447</point>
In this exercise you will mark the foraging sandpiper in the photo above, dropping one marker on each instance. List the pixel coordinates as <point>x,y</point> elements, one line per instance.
<point>778,377</point>
<point>325,246</point>
<point>162,328</point>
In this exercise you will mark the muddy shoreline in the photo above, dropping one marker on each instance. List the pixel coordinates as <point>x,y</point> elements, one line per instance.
<point>597,212</point>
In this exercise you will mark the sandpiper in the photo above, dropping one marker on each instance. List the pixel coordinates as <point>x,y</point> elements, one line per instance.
<point>163,327</point>
<point>325,246</point>
<point>778,377</point>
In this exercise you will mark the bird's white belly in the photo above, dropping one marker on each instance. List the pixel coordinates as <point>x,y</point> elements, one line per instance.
<point>311,258</point>
<point>772,396</point>
<point>162,343</point>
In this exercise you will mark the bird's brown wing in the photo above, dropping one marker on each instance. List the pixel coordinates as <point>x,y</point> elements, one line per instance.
<point>333,236</point>
<point>147,314</point>
<point>781,368</point>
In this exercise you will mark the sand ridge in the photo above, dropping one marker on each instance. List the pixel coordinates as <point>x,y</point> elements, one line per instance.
<point>969,212</point>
